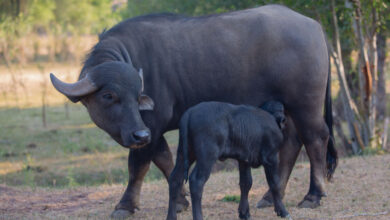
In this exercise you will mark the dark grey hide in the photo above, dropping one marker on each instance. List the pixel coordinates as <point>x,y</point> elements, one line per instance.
<point>241,57</point>
<point>214,130</point>
<point>277,110</point>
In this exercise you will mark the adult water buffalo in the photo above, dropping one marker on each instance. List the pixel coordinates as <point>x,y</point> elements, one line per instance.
<point>241,57</point>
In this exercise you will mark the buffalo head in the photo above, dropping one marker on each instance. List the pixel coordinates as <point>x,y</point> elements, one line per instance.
<point>276,109</point>
<point>113,94</point>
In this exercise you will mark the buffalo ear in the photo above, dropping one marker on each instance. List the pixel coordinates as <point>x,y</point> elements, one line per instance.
<point>282,121</point>
<point>145,103</point>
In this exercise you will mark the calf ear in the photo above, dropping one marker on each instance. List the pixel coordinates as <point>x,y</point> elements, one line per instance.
<point>282,122</point>
<point>145,103</point>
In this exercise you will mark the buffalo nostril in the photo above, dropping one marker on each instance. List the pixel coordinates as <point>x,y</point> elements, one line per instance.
<point>141,136</point>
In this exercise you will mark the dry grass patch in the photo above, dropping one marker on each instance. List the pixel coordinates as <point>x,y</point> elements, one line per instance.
<point>361,190</point>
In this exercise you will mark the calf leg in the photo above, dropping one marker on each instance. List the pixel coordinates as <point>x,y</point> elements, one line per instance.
<point>198,178</point>
<point>288,155</point>
<point>245,186</point>
<point>163,160</point>
<point>271,173</point>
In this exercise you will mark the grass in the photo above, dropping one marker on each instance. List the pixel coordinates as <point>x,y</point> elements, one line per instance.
<point>68,152</point>
<point>71,151</point>
<point>231,198</point>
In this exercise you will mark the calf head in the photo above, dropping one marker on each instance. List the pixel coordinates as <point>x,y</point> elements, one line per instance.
<point>112,92</point>
<point>276,109</point>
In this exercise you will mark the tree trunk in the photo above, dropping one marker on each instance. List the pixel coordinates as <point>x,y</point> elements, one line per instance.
<point>381,90</point>
<point>350,109</point>
<point>370,75</point>
<point>385,132</point>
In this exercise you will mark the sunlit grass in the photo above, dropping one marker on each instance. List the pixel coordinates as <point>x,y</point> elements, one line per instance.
<point>70,150</point>
<point>67,152</point>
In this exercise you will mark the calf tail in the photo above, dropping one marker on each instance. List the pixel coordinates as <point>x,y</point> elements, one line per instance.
<point>183,139</point>
<point>331,155</point>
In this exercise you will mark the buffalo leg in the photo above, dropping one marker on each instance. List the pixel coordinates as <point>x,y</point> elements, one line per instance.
<point>270,168</point>
<point>314,134</point>
<point>245,186</point>
<point>138,165</point>
<point>163,160</point>
<point>176,180</point>
<point>288,155</point>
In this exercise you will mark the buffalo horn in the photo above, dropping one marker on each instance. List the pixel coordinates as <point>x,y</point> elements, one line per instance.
<point>80,88</point>
<point>141,75</point>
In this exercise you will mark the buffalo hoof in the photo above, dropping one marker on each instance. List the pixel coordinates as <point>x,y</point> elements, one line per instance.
<point>182,205</point>
<point>283,213</point>
<point>123,210</point>
<point>245,216</point>
<point>121,214</point>
<point>264,203</point>
<point>288,216</point>
<point>310,202</point>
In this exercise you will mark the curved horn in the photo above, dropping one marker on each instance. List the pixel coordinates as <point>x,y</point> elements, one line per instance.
<point>141,75</point>
<point>80,88</point>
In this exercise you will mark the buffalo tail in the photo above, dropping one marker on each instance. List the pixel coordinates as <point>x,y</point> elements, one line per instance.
<point>331,155</point>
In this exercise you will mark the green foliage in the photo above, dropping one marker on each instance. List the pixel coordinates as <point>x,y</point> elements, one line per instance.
<point>84,17</point>
<point>373,151</point>
<point>70,177</point>
<point>58,16</point>
<point>55,19</point>
<point>231,198</point>
<point>91,16</point>
<point>41,13</point>
<point>61,18</point>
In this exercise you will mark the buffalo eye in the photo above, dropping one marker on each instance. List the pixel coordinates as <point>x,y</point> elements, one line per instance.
<point>108,96</point>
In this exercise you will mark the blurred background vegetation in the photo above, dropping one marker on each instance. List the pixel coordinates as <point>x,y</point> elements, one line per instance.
<point>47,141</point>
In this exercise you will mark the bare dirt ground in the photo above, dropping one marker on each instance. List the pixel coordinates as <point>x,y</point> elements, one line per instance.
<point>361,190</point>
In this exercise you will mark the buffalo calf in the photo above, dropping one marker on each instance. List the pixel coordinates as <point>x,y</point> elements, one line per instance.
<point>213,130</point>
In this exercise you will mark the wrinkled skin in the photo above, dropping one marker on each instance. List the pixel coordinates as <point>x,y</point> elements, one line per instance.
<point>244,57</point>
